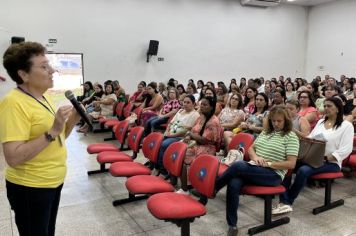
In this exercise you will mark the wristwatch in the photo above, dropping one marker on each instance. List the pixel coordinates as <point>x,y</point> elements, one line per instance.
<point>49,137</point>
<point>269,163</point>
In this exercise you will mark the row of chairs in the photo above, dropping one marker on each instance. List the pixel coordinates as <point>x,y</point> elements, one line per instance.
<point>177,208</point>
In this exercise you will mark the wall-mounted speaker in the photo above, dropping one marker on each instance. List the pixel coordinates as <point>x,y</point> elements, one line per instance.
<point>16,39</point>
<point>153,47</point>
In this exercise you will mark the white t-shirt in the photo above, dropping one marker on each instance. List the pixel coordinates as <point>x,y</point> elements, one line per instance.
<point>339,141</point>
<point>181,120</point>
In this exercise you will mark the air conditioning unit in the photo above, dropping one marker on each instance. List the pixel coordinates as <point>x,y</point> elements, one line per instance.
<point>260,3</point>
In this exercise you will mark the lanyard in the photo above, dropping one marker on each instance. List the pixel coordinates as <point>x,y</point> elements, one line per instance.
<point>50,109</point>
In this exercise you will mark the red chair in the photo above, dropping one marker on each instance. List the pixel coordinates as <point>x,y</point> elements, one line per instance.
<point>102,120</point>
<point>120,134</point>
<point>150,148</point>
<point>268,193</point>
<point>133,141</point>
<point>150,184</point>
<point>328,177</point>
<point>128,109</point>
<point>240,140</point>
<point>182,209</point>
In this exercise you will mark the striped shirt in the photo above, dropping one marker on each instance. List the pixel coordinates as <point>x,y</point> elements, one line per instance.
<point>275,147</point>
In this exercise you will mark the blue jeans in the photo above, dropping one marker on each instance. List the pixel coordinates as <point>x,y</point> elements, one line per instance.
<point>235,177</point>
<point>164,145</point>
<point>154,123</point>
<point>303,173</point>
<point>35,208</point>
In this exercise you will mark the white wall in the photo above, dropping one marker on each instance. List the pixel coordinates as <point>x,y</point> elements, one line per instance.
<point>331,39</point>
<point>201,39</point>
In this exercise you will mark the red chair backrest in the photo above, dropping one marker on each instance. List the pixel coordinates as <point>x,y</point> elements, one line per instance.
<point>202,174</point>
<point>242,140</point>
<point>121,130</point>
<point>138,112</point>
<point>173,158</point>
<point>134,138</point>
<point>119,109</point>
<point>127,110</point>
<point>151,145</point>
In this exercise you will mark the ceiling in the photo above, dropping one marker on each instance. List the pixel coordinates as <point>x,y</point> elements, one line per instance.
<point>308,2</point>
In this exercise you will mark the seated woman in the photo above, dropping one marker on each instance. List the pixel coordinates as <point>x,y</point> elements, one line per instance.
<point>182,122</point>
<point>88,90</point>
<point>181,92</point>
<point>119,91</point>
<point>307,108</point>
<point>249,101</point>
<point>329,91</point>
<point>272,154</point>
<point>210,93</point>
<point>103,106</point>
<point>339,136</point>
<point>152,104</point>
<point>168,110</point>
<point>192,90</point>
<point>139,96</point>
<point>301,125</point>
<point>98,93</point>
<point>232,115</point>
<point>254,122</point>
<point>206,132</point>
<point>222,94</point>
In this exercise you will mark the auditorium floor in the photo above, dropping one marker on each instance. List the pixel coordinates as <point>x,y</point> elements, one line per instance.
<point>86,206</point>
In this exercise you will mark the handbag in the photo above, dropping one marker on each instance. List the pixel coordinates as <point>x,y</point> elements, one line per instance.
<point>311,152</point>
<point>233,156</point>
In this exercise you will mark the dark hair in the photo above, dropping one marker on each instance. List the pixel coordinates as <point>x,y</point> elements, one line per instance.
<point>293,89</point>
<point>213,85</point>
<point>212,103</point>
<point>90,86</point>
<point>107,82</point>
<point>191,97</point>
<point>239,105</point>
<point>182,87</point>
<point>310,96</point>
<point>18,57</point>
<point>143,83</point>
<point>154,86</point>
<point>212,90</point>
<point>171,84</point>
<point>288,124</point>
<point>247,100</point>
<point>265,97</point>
<point>333,87</point>
<point>340,115</point>
<point>193,87</point>
<point>200,81</point>
<point>112,89</point>
<point>223,87</point>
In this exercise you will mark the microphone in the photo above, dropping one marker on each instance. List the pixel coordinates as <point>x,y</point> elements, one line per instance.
<point>70,96</point>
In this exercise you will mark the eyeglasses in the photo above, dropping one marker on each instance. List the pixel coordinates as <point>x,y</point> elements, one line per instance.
<point>46,67</point>
<point>234,98</point>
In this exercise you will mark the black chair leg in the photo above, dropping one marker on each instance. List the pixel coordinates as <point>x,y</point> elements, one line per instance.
<point>111,138</point>
<point>327,200</point>
<point>268,223</point>
<point>102,170</point>
<point>131,198</point>
<point>185,228</point>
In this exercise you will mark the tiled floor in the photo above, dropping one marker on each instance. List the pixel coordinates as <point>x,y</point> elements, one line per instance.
<point>86,206</point>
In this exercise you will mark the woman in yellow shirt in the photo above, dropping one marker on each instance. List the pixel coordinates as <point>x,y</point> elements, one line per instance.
<point>33,136</point>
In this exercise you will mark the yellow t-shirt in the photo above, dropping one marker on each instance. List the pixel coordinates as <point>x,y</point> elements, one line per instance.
<point>22,118</point>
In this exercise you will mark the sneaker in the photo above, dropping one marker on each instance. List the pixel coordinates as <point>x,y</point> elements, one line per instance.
<point>233,231</point>
<point>181,191</point>
<point>282,209</point>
